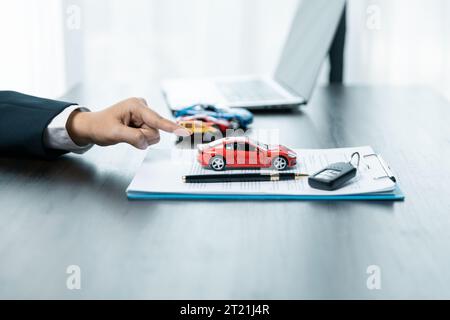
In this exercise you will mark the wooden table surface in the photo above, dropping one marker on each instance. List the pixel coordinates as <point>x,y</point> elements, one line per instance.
<point>74,211</point>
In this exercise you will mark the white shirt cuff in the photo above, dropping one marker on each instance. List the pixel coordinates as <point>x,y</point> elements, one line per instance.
<point>56,135</point>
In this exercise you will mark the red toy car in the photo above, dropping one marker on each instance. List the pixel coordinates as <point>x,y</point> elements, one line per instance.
<point>242,152</point>
<point>221,124</point>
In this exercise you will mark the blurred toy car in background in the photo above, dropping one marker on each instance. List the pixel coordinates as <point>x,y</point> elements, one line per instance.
<point>201,131</point>
<point>238,117</point>
<point>243,152</point>
<point>221,124</point>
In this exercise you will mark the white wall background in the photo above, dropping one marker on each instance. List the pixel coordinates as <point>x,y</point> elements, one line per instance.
<point>396,42</point>
<point>162,38</point>
<point>401,42</point>
<point>39,54</point>
<point>31,46</point>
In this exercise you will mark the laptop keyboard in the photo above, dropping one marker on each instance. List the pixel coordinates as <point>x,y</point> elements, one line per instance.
<point>246,91</point>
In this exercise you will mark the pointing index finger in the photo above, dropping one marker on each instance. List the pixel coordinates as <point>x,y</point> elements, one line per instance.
<point>154,120</point>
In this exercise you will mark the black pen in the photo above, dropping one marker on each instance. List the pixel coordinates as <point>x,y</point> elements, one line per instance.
<point>243,177</point>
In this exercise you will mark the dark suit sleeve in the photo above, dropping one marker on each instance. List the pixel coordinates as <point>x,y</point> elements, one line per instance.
<point>23,120</point>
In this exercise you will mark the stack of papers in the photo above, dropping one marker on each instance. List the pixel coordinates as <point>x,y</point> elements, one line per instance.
<point>160,177</point>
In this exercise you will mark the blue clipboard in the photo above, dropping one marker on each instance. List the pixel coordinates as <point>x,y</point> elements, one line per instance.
<point>396,195</point>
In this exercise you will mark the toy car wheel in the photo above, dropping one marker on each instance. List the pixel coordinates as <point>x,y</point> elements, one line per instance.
<point>217,163</point>
<point>279,163</point>
<point>209,137</point>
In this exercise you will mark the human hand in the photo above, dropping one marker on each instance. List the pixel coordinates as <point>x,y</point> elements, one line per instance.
<point>130,121</point>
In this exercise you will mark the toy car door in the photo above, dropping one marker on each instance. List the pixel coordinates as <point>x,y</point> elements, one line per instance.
<point>229,154</point>
<point>251,152</point>
<point>241,154</point>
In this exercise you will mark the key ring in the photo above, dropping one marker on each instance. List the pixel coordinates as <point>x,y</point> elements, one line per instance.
<point>359,158</point>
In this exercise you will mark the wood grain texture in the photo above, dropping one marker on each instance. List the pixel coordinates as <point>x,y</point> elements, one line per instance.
<point>74,211</point>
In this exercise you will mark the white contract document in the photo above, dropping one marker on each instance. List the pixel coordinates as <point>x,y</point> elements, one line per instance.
<point>162,171</point>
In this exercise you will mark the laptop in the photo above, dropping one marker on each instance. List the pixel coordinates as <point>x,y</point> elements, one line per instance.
<point>292,84</point>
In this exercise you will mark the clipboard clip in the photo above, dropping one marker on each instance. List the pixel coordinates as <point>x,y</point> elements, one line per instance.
<point>384,165</point>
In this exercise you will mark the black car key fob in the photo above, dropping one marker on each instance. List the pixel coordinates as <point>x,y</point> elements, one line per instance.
<point>334,176</point>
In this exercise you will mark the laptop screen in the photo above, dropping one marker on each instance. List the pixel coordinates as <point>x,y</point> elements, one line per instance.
<point>308,43</point>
